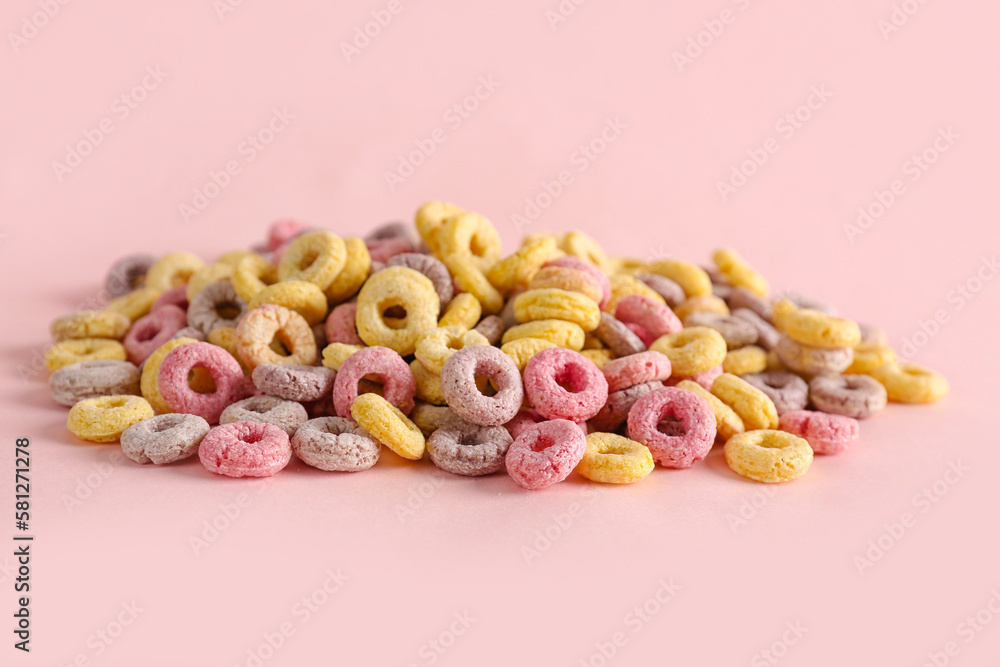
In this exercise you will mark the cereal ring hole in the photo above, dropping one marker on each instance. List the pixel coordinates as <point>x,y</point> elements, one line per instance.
<point>542,442</point>
<point>116,402</point>
<point>573,379</point>
<point>228,310</point>
<point>201,381</point>
<point>252,436</point>
<point>671,426</point>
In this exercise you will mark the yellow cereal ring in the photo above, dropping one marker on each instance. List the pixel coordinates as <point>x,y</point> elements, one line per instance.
<point>135,304</point>
<point>83,349</point>
<point>623,285</point>
<point>464,310</point>
<point>261,326</point>
<point>580,245</point>
<point>397,286</point>
<point>103,419</point>
<point>315,257</point>
<point>598,356</point>
<point>430,217</point>
<point>470,279</point>
<point>812,327</point>
<point>518,269</point>
<point>251,275</point>
<point>692,279</point>
<point>388,425</point>
<point>559,332</point>
<point>523,349</point>
<point>727,422</point>
<point>90,324</point>
<point>692,350</point>
<point>436,346</point>
<point>428,384</point>
<point>149,381</point>
<point>613,459</point>
<point>430,418</point>
<point>592,342</point>
<point>739,272</point>
<point>754,407</point>
<point>353,275</point>
<point>205,276</point>
<point>304,298</point>
<point>225,337</point>
<point>335,354</point>
<point>908,383</point>
<point>707,304</point>
<point>172,270</point>
<point>768,456</point>
<point>868,357</point>
<point>557,304</point>
<point>571,280</point>
<point>234,257</point>
<point>472,237</point>
<point>745,360</point>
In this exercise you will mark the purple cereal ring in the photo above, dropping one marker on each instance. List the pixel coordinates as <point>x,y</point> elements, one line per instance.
<point>341,325</point>
<point>573,262</point>
<point>656,318</point>
<point>527,417</point>
<point>399,385</point>
<point>671,292</point>
<point>741,297</point>
<point>286,415</point>
<point>786,390</point>
<point>803,301</point>
<point>549,370</point>
<point>178,394</point>
<point>125,274</point>
<point>216,305</point>
<point>164,438</point>
<point>825,433</point>
<point>736,331</point>
<point>188,332</point>
<point>704,378</point>
<point>176,296</point>
<point>492,327</point>
<point>392,230</point>
<point>811,360</point>
<point>433,268</point>
<point>283,231</point>
<point>336,444</point>
<point>857,396</point>
<point>151,331</point>
<point>91,379</point>
<point>767,335</point>
<point>615,411</point>
<point>617,336</point>
<point>690,430</point>
<point>245,449</point>
<point>639,368</point>
<point>382,250</point>
<point>545,453</point>
<point>458,385</point>
<point>294,382</point>
<point>469,449</point>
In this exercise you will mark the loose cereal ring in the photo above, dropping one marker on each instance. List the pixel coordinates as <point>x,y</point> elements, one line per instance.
<point>397,286</point>
<point>571,280</point>
<point>690,426</point>
<point>388,425</point>
<point>811,360</point>
<point>692,351</point>
<point>523,349</point>
<point>303,297</point>
<point>754,407</point>
<point>580,245</point>
<point>768,456</point>
<point>458,384</point>
<point>623,285</point>
<point>251,275</point>
<point>83,349</point>
<point>545,453</point>
<point>739,272</point>
<point>357,266</point>
<point>172,269</point>
<point>315,257</point>
<point>91,379</point>
<point>90,324</point>
<point>557,304</point>
<point>654,317</point>
<point>562,333</point>
<point>523,266</point>
<point>815,328</point>
<point>104,418</point>
<point>563,384</point>
<point>398,384</point>
<point>245,449</point>
<point>430,217</point>
<point>613,459</point>
<point>869,356</point>
<point>172,380</point>
<point>335,443</point>
<point>908,383</point>
<point>262,325</point>
<point>727,422</point>
<point>692,279</point>
<point>431,267</point>
<point>464,310</point>
<point>469,449</point>
<point>217,305</point>
<point>745,360</point>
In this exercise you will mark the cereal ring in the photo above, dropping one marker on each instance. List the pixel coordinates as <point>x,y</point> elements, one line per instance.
<point>216,305</point>
<point>571,280</point>
<point>282,231</point>
<point>251,275</point>
<point>639,368</point>
<point>398,383</point>
<point>205,276</point>
<point>727,422</point>
<point>469,449</point>
<point>304,298</point>
<point>153,330</point>
<point>90,324</point>
<point>612,459</point>
<point>286,415</point>
<point>492,328</point>
<point>388,425</point>
<point>692,279</point>
<point>768,456</point>
<point>813,360</point>
<point>391,230</point>
<point>428,384</point>
<point>335,354</point>
<point>814,328</point>
<point>550,370</point>
<point>136,303</point>
<point>91,379</point>
<point>269,322</point>
<point>523,349</point>
<point>737,332</point>
<point>357,267</point>
<point>433,269</point>
<point>614,413</point>
<point>786,390</point>
<point>315,257</point>
<point>617,336</point>
<point>470,237</point>
<point>741,297</point>
<point>171,270</point>
<point>83,349</point>
<point>739,273</point>
<point>429,417</point>
<point>560,332</point>
<point>545,453</point>
<point>127,273</point>
<point>707,304</point>
<point>857,396</point>
<point>177,365</point>
<point>464,310</point>
<point>623,285</point>
<point>335,443</point>
<point>767,335</point>
<point>245,449</point>
<point>382,250</point>
<point>225,337</point>
<point>341,325</point>
<point>704,378</point>
<point>458,385</point>
<point>754,407</point>
<point>523,266</point>
<point>869,356</point>
<point>172,297</point>
<point>656,318</point>
<point>150,373</point>
<point>669,291</point>
<point>164,438</point>
<point>470,279</point>
<point>580,245</point>
<point>434,347</point>
<point>557,304</point>
<point>745,360</point>
<point>825,433</point>
<point>430,217</point>
<point>293,382</point>
<point>572,262</point>
<point>528,417</point>
<point>690,426</point>
<point>693,350</point>
<point>389,288</point>
<point>103,419</point>
<point>908,383</point>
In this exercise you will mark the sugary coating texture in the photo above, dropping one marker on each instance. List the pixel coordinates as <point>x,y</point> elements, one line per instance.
<point>396,286</point>
<point>357,268</point>
<point>704,378</point>
<point>618,336</point>
<point>90,324</point>
<point>103,419</point>
<point>811,360</point>
<point>262,325</point>
<point>573,262</point>
<point>768,455</point>
<point>316,257</point>
<point>522,350</point>
<point>398,383</point>
<point>727,422</point>
<point>433,269</point>
<point>814,328</point>
<point>692,279</point>
<point>689,432</point>
<point>492,328</point>
<point>217,305</point>
<point>335,444</point>
<point>335,354</point>
<point>545,453</point>
<point>177,365</point>
<point>127,273</point>
<point>557,304</point>
<point>303,297</point>
<point>136,303</point>
<point>739,272</point>
<point>391,230</point>
<point>519,269</point>
<point>754,407</point>
<point>767,335</point>
<point>83,349</point>
<point>153,330</point>
<point>245,449</point>
<point>469,449</point>
<point>740,298</point>
<point>869,356</point>
<point>429,417</point>
<point>909,383</point>
<point>701,304</point>
<point>464,310</point>
<point>172,297</point>
<point>428,384</point>
<point>550,370</point>
<point>225,337</point>
<point>164,438</point>
<point>693,350</point>
<point>388,425</point>
<point>528,417</point>
<point>614,413</point>
<point>286,415</point>
<point>204,276</point>
<point>670,291</point>
<point>624,285</point>
<point>341,327</point>
<point>294,382</point>
<point>745,360</point>
<point>736,331</point>
<point>655,318</point>
<point>639,368</point>
<point>613,459</point>
<point>149,380</point>
<point>469,246</point>
<point>251,275</point>
<point>171,270</point>
<point>559,332</point>
<point>90,379</point>
<point>786,390</point>
<point>826,433</point>
<point>429,219</point>
<point>856,396</point>
<point>571,280</point>
<point>436,346</point>
<point>382,250</point>
<point>458,385</point>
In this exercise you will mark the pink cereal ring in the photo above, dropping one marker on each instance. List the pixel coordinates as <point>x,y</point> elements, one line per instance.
<point>245,449</point>
<point>178,394</point>
<point>688,434</point>
<point>341,325</point>
<point>283,231</point>
<point>458,385</point>
<point>546,453</point>
<point>548,370</point>
<point>153,330</point>
<point>704,378</point>
<point>399,385</point>
<point>643,335</point>
<point>176,296</point>
<point>572,262</point>
<point>656,318</point>
<point>825,433</point>
<point>382,250</point>
<point>526,418</point>
<point>625,372</point>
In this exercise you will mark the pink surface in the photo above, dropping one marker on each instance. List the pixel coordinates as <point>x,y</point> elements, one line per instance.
<point>428,568</point>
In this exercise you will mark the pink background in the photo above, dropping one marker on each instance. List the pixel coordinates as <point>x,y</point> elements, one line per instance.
<point>652,192</point>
